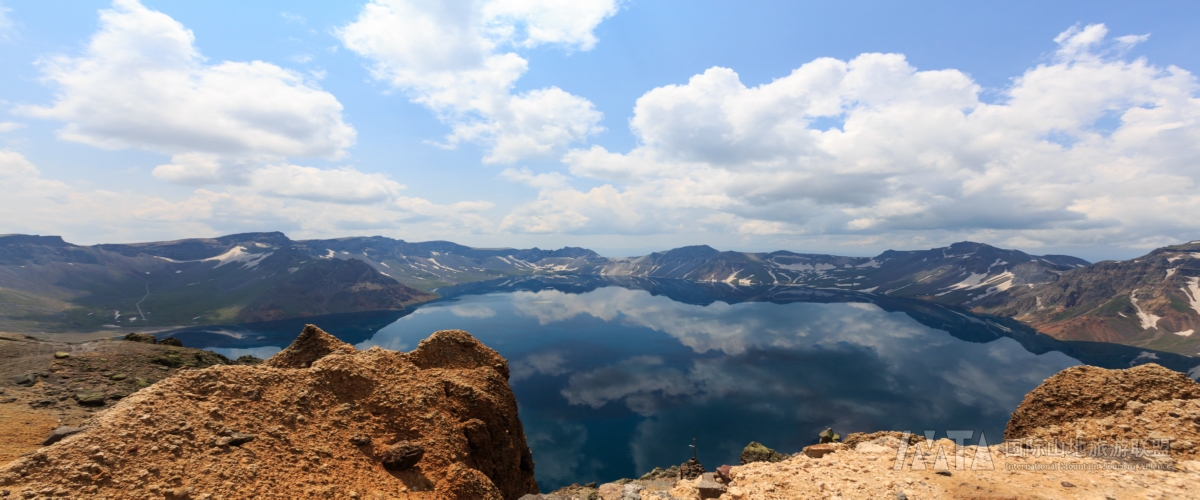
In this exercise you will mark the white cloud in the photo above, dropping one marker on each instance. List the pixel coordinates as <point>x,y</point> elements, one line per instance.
<point>344,185</point>
<point>6,23</point>
<point>10,126</point>
<point>14,165</point>
<point>293,18</point>
<point>142,83</point>
<point>1086,148</point>
<point>302,201</point>
<point>467,78</point>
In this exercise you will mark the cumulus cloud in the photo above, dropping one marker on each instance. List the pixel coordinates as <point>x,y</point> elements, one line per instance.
<point>343,185</point>
<point>303,201</point>
<point>467,76</point>
<point>142,83</point>
<point>1088,147</point>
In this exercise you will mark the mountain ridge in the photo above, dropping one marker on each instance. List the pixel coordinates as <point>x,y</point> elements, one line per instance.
<point>378,273</point>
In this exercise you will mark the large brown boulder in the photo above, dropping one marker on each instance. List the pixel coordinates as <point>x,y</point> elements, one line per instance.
<point>1084,392</point>
<point>323,418</point>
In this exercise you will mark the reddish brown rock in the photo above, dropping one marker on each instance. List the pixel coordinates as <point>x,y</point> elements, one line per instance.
<point>1086,391</point>
<point>464,483</point>
<point>723,473</point>
<point>820,450</point>
<point>456,349</point>
<point>312,344</point>
<point>307,408</point>
<point>402,456</point>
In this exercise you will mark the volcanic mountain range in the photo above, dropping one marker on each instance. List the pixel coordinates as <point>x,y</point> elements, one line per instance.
<point>49,285</point>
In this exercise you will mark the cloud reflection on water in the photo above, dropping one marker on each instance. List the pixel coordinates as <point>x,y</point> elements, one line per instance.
<point>615,381</point>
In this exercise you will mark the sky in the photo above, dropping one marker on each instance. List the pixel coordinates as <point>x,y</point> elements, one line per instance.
<point>621,126</point>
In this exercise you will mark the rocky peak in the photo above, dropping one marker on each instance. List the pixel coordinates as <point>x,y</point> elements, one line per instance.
<point>312,344</point>
<point>456,349</point>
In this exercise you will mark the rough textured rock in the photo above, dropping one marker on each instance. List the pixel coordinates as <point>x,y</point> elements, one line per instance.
<point>464,483</point>
<point>312,344</point>
<point>142,337</point>
<point>722,473</point>
<point>25,379</point>
<point>303,407</point>
<point>90,397</point>
<point>855,438</point>
<point>1086,391</point>
<point>828,436</point>
<point>708,487</point>
<point>59,433</point>
<point>756,452</point>
<point>822,449</point>
<point>171,341</point>
<point>671,472</point>
<point>610,491</point>
<point>248,360</point>
<point>455,349</point>
<point>691,469</point>
<point>402,456</point>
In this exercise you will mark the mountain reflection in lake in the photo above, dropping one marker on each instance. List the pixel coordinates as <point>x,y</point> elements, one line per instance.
<point>615,377</point>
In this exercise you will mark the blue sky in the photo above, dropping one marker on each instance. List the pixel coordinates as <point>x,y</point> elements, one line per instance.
<point>623,127</point>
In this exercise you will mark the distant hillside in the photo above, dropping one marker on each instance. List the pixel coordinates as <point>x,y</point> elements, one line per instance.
<point>961,274</point>
<point>1151,301</point>
<point>47,284</point>
<point>434,264</point>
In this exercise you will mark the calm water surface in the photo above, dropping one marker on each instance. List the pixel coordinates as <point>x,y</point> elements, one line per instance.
<point>615,377</point>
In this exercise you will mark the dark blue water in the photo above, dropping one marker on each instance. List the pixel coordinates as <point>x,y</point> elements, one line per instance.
<point>615,377</point>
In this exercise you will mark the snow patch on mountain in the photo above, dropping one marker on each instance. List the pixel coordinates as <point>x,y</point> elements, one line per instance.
<point>1148,320</point>
<point>239,254</point>
<point>1192,291</point>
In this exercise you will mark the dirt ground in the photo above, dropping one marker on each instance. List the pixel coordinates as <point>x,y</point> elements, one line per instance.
<point>868,472</point>
<point>22,430</point>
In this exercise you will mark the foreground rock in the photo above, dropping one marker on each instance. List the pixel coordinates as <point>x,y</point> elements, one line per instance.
<point>1083,406</point>
<point>1132,409</point>
<point>1084,392</point>
<point>316,421</point>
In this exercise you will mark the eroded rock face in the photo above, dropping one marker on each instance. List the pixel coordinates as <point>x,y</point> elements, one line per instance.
<point>312,344</point>
<point>1082,392</point>
<point>308,410</point>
